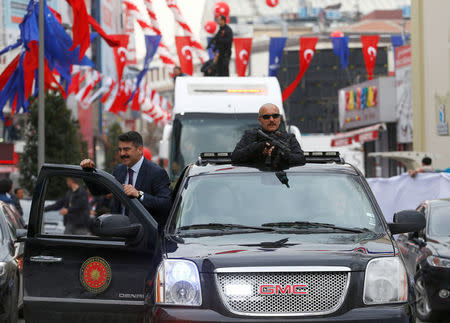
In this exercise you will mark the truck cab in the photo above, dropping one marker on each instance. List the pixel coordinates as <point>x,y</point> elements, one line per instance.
<point>212,113</point>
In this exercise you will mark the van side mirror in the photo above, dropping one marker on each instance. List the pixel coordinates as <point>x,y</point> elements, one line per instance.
<point>407,221</point>
<point>116,225</point>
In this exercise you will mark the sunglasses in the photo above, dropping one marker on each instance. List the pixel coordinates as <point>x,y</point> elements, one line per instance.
<point>267,116</point>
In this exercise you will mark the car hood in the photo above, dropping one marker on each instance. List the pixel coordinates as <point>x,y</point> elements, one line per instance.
<point>244,250</point>
<point>440,246</point>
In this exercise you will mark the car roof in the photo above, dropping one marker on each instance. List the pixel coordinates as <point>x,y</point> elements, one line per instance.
<point>211,168</point>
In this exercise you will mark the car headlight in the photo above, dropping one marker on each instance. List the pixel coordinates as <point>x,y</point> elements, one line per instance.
<point>178,283</point>
<point>385,281</point>
<point>2,268</point>
<point>438,262</point>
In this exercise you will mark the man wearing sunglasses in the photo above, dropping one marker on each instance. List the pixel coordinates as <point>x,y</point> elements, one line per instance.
<point>254,149</point>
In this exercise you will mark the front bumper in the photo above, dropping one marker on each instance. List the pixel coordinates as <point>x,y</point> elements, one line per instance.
<point>435,280</point>
<point>391,313</point>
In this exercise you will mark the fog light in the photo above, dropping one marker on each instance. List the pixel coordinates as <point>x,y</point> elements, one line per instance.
<point>444,293</point>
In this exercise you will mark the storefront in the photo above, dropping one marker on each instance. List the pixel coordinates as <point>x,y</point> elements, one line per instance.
<point>367,114</point>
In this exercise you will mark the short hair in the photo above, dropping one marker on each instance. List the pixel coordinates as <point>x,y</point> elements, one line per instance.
<point>17,189</point>
<point>132,136</point>
<point>426,161</point>
<point>177,67</point>
<point>5,185</point>
<point>223,18</point>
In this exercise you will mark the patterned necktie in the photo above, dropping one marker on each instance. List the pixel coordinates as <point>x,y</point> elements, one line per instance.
<point>130,176</point>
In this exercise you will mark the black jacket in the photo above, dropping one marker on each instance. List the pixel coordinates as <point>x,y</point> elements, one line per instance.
<point>249,150</point>
<point>77,204</point>
<point>154,182</point>
<point>223,40</point>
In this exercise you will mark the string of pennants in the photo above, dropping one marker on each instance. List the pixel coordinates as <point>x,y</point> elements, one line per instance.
<point>67,67</point>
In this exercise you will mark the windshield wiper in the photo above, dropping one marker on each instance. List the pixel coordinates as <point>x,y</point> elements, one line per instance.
<point>306,224</point>
<point>221,226</point>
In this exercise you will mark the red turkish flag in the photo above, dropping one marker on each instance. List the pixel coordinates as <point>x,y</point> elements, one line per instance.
<point>370,48</point>
<point>120,56</point>
<point>80,26</point>
<point>184,51</point>
<point>243,47</point>
<point>307,49</point>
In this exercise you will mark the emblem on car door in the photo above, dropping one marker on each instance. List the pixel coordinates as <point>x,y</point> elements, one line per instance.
<point>95,275</point>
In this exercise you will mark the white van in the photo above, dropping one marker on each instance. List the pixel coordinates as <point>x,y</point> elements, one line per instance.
<point>212,113</point>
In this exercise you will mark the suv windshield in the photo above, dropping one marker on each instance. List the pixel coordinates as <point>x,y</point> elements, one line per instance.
<point>439,222</point>
<point>260,199</point>
<point>197,133</point>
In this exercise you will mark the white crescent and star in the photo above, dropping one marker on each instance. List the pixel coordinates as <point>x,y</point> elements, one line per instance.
<point>372,52</point>
<point>308,55</point>
<point>122,52</point>
<point>273,2</point>
<point>243,53</point>
<point>186,51</point>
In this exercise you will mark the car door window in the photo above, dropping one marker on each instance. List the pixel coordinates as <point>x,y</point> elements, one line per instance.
<point>72,204</point>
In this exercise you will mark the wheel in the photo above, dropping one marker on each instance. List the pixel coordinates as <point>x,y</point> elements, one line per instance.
<point>13,314</point>
<point>423,306</point>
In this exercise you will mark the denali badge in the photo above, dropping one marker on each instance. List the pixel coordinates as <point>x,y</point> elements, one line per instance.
<point>294,289</point>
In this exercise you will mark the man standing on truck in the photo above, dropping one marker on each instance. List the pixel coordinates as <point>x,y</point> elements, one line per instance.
<point>141,179</point>
<point>268,146</point>
<point>222,42</point>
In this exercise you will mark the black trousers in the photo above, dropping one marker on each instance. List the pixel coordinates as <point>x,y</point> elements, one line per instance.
<point>222,64</point>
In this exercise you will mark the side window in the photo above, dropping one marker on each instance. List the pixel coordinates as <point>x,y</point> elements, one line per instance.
<point>72,204</point>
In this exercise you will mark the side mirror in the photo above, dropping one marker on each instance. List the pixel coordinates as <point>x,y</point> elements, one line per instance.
<point>116,225</point>
<point>21,235</point>
<point>407,221</point>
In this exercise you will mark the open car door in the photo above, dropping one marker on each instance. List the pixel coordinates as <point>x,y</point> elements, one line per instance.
<point>88,270</point>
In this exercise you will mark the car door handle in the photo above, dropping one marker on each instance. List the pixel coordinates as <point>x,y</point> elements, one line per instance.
<point>47,259</point>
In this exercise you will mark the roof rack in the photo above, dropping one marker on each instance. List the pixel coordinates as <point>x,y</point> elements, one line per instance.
<point>318,157</point>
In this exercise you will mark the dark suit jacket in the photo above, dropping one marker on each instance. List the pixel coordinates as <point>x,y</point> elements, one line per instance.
<point>154,182</point>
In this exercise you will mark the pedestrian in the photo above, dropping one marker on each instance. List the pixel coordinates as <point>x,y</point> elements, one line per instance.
<point>426,167</point>
<point>222,42</point>
<point>177,72</point>
<point>209,68</point>
<point>254,149</point>
<point>7,126</point>
<point>16,197</point>
<point>74,207</point>
<point>140,178</point>
<point>5,190</point>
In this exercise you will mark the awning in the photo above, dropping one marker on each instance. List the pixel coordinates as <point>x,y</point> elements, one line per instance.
<point>358,135</point>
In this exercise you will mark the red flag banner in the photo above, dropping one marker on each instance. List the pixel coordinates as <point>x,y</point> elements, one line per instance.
<point>243,47</point>
<point>307,49</point>
<point>370,48</point>
<point>184,51</point>
<point>120,57</point>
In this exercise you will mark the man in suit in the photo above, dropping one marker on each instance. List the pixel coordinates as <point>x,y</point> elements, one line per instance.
<point>141,179</point>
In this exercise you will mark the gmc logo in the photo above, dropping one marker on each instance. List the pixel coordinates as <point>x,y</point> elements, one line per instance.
<point>297,289</point>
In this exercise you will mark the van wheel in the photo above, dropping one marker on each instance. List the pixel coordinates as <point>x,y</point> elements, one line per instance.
<point>423,306</point>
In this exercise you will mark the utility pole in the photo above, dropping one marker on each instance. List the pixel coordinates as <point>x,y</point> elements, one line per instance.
<point>41,95</point>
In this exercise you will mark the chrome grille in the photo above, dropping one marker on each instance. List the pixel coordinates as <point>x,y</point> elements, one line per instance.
<point>325,292</point>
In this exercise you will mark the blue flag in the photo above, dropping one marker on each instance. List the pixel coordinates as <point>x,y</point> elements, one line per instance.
<point>275,53</point>
<point>340,48</point>
<point>396,40</point>
<point>151,43</point>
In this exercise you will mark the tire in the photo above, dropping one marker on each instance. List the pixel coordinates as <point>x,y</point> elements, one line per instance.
<point>423,306</point>
<point>13,314</point>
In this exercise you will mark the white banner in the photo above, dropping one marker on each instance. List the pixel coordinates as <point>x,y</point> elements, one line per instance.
<point>404,94</point>
<point>403,192</point>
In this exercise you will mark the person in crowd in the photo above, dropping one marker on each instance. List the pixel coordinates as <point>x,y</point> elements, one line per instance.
<point>18,191</point>
<point>5,189</point>
<point>74,206</point>
<point>252,148</point>
<point>7,126</point>
<point>222,42</point>
<point>177,72</point>
<point>426,167</point>
<point>209,68</point>
<point>140,178</point>
<point>16,197</point>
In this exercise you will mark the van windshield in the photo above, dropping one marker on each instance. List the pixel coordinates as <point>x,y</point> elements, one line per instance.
<point>196,133</point>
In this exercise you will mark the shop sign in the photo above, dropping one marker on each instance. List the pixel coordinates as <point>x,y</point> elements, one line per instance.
<point>442,127</point>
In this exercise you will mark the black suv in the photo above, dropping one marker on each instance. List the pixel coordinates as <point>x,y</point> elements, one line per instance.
<point>241,245</point>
